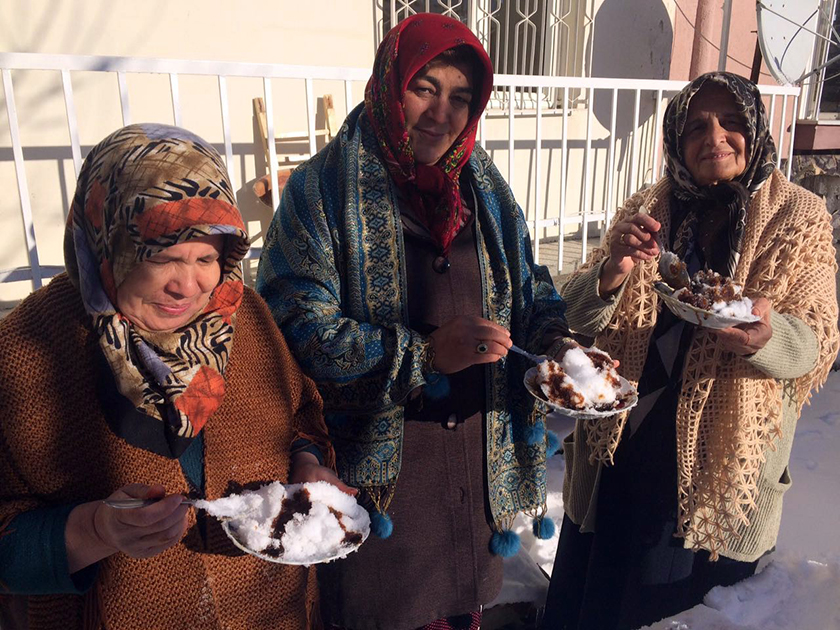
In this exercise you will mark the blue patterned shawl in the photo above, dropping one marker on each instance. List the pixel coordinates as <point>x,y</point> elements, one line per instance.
<point>332,272</point>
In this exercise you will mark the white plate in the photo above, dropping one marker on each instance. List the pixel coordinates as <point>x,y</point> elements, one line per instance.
<point>628,402</point>
<point>334,553</point>
<point>698,316</point>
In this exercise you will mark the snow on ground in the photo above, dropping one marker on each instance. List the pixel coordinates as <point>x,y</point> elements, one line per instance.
<point>799,586</point>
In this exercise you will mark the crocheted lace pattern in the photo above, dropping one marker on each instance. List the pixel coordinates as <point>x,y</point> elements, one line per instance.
<point>728,412</point>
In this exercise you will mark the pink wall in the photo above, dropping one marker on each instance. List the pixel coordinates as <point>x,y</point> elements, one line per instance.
<point>742,38</point>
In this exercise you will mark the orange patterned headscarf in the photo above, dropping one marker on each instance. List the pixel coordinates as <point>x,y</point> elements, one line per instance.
<point>141,190</point>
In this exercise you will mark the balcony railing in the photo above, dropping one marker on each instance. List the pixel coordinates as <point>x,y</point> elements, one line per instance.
<point>569,167</point>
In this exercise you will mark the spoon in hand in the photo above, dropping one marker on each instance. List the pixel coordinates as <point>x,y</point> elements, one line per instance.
<point>534,357</point>
<point>673,270</point>
<point>128,504</point>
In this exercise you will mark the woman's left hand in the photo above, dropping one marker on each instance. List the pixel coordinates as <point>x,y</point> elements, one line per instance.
<point>306,467</point>
<point>748,339</point>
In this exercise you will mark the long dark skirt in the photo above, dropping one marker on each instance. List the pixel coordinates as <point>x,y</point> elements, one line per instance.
<point>468,621</point>
<point>632,571</point>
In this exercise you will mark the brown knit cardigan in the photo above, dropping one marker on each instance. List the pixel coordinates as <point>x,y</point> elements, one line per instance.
<point>56,448</point>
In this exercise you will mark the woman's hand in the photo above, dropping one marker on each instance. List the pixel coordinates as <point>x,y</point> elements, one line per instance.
<point>142,532</point>
<point>95,531</point>
<point>631,241</point>
<point>306,467</point>
<point>746,339</point>
<point>465,341</point>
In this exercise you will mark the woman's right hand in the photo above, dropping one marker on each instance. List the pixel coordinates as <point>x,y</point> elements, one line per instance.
<point>631,241</point>
<point>95,531</point>
<point>142,532</point>
<point>458,341</point>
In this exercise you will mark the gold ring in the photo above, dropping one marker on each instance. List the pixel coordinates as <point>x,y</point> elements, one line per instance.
<point>481,348</point>
<point>621,240</point>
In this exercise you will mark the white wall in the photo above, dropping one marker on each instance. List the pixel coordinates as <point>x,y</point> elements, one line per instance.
<point>627,39</point>
<point>311,32</point>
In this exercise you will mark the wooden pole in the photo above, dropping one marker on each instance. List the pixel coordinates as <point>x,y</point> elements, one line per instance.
<point>704,54</point>
<point>755,71</point>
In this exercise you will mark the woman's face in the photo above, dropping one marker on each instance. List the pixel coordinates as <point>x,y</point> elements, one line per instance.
<point>437,107</point>
<point>169,289</point>
<point>714,144</point>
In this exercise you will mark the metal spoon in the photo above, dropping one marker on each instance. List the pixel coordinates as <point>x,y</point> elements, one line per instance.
<point>536,358</point>
<point>673,270</point>
<point>128,504</point>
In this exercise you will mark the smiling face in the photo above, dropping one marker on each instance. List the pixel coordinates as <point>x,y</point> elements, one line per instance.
<point>714,143</point>
<point>169,289</point>
<point>437,107</point>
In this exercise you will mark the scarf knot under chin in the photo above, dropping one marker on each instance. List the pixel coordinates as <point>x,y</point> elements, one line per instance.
<point>713,224</point>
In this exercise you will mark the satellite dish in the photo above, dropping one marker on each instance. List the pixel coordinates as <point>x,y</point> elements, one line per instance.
<point>787,34</point>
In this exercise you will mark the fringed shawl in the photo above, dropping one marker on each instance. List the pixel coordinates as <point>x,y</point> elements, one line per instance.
<point>332,272</point>
<point>728,413</point>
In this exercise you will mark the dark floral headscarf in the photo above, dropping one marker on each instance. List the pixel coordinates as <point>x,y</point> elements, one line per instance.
<point>142,189</point>
<point>432,189</point>
<point>735,195</point>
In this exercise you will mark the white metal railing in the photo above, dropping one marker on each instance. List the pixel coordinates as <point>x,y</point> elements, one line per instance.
<point>588,88</point>
<point>628,155</point>
<point>122,66</point>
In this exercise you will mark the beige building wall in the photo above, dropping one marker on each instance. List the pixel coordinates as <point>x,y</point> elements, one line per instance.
<point>742,39</point>
<point>647,39</point>
<point>314,32</point>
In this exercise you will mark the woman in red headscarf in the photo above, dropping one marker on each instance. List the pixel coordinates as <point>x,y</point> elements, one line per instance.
<point>399,269</point>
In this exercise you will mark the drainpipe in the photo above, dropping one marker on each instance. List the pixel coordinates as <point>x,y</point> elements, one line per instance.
<point>724,35</point>
<point>704,54</point>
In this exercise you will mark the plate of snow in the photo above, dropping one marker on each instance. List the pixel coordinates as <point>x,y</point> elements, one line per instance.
<point>584,384</point>
<point>712,301</point>
<point>304,524</point>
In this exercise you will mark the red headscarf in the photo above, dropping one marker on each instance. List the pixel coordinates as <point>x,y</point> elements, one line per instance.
<point>433,189</point>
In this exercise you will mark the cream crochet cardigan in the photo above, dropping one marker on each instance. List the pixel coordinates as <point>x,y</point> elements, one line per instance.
<point>735,415</point>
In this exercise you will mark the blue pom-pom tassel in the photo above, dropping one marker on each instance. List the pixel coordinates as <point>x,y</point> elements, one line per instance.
<point>381,524</point>
<point>534,434</point>
<point>505,544</point>
<point>553,443</point>
<point>437,387</point>
<point>544,528</point>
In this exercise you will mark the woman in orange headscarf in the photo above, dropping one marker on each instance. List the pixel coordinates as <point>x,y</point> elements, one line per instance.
<point>147,371</point>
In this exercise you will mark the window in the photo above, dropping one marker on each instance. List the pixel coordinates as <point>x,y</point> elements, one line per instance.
<point>523,37</point>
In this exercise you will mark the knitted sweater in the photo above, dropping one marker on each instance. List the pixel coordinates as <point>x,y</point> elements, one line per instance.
<point>56,448</point>
<point>788,258</point>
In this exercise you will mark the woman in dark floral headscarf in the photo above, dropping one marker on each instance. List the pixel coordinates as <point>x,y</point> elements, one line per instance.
<point>399,268</point>
<point>148,371</point>
<point>684,492</point>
